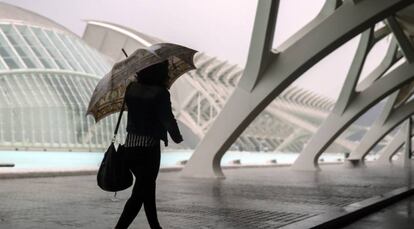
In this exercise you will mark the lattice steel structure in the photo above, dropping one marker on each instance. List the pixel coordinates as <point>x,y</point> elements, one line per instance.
<point>47,75</point>
<point>284,126</point>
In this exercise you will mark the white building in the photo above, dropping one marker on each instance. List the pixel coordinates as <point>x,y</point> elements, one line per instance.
<point>47,75</point>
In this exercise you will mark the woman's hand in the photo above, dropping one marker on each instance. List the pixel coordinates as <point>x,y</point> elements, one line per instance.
<point>178,140</point>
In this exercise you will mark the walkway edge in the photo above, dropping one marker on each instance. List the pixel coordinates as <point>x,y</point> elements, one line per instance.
<point>83,172</point>
<point>352,212</point>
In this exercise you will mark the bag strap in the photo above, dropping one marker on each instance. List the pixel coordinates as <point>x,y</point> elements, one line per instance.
<point>119,121</point>
<point>122,110</point>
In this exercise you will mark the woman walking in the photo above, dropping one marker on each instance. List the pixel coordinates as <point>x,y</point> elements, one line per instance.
<point>149,119</point>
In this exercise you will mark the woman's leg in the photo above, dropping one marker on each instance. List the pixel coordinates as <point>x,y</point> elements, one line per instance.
<point>145,164</point>
<point>150,206</point>
<point>134,203</point>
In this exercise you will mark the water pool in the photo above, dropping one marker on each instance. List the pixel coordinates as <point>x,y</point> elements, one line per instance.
<point>66,160</point>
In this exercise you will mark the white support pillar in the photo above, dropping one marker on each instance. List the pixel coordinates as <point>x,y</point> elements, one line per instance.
<point>371,137</point>
<point>380,130</point>
<point>308,159</point>
<point>386,154</point>
<point>260,52</point>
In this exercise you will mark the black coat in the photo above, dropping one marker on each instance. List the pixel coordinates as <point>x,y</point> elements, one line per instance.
<point>149,112</point>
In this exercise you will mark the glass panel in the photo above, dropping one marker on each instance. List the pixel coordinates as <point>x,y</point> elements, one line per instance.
<point>4,94</point>
<point>51,49</point>
<point>25,113</point>
<point>36,47</point>
<point>2,64</point>
<point>80,89</point>
<point>8,55</point>
<point>22,88</point>
<point>15,100</point>
<point>82,48</point>
<point>59,115</point>
<point>76,53</point>
<point>40,114</point>
<point>42,90</point>
<point>78,108</point>
<point>61,47</point>
<point>68,97</point>
<point>20,46</point>
<point>33,90</point>
<point>104,65</point>
<point>84,93</point>
<point>6,106</point>
<point>51,99</point>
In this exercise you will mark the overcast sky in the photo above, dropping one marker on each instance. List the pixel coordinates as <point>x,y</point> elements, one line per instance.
<point>219,28</point>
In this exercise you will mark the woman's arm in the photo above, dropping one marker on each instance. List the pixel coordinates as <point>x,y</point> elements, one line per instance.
<point>167,118</point>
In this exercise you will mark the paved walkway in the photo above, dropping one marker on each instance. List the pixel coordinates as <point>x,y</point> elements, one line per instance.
<point>248,198</point>
<point>397,216</point>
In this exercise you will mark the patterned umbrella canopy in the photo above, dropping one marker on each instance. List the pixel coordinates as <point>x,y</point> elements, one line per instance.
<point>108,95</point>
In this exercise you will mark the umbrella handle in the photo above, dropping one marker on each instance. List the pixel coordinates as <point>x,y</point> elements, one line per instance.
<point>122,110</point>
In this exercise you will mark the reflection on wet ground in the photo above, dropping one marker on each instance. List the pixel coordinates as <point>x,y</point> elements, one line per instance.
<point>396,216</point>
<point>247,198</point>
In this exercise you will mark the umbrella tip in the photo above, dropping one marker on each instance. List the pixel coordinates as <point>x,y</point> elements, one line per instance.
<point>123,50</point>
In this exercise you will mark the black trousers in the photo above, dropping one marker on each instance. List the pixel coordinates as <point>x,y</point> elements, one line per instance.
<point>144,162</point>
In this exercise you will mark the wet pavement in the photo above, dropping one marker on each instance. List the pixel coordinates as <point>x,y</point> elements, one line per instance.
<point>247,198</point>
<point>397,216</point>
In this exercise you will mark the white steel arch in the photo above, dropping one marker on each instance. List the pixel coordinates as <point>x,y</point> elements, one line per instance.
<point>268,73</point>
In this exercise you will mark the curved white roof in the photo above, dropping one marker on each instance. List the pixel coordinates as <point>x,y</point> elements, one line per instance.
<point>11,13</point>
<point>144,39</point>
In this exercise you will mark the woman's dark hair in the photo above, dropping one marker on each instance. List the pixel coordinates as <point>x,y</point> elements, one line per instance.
<point>156,74</point>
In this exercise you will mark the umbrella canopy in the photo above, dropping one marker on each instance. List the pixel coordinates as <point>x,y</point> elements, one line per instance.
<point>108,95</point>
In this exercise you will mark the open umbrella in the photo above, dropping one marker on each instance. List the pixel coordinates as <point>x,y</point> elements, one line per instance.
<point>108,95</point>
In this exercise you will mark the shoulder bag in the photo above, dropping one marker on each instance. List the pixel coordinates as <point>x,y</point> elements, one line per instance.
<point>114,174</point>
